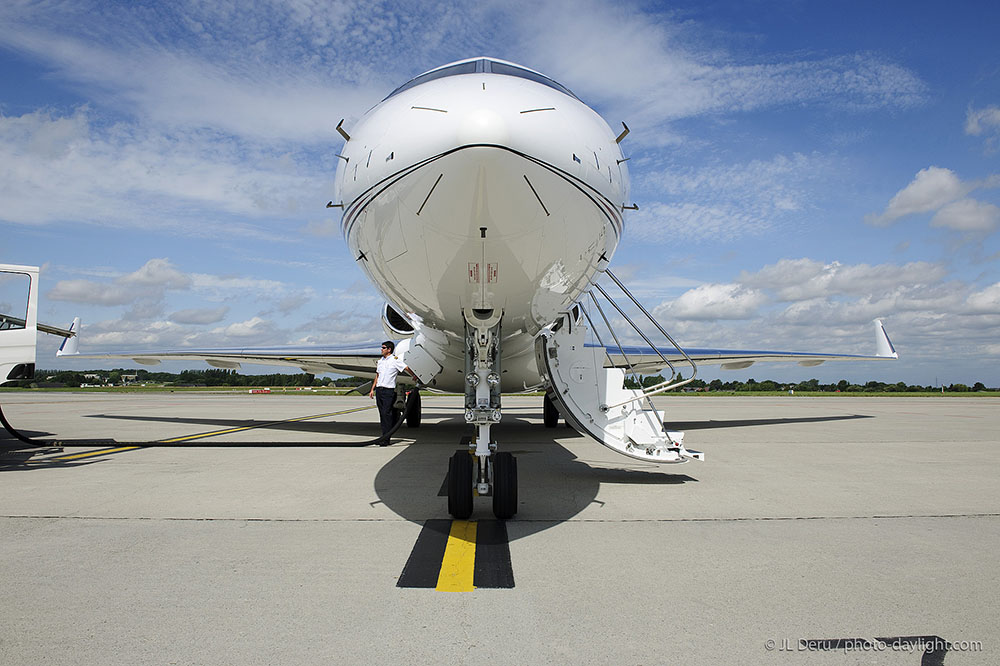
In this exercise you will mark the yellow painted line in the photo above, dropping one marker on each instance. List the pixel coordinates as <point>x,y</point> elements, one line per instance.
<point>90,454</point>
<point>260,425</point>
<point>459,561</point>
<point>101,452</point>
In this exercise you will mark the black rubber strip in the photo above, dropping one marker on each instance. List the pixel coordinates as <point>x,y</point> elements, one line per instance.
<point>423,566</point>
<point>493,569</point>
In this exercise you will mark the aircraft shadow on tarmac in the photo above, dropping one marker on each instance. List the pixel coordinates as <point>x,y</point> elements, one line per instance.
<point>363,429</point>
<point>17,456</point>
<point>23,461</point>
<point>554,485</point>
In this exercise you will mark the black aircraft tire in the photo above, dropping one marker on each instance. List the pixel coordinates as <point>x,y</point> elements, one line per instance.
<point>413,415</point>
<point>550,413</point>
<point>504,485</point>
<point>460,485</point>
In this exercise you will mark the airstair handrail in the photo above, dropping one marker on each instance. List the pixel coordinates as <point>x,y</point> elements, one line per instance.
<point>667,385</point>
<point>607,322</point>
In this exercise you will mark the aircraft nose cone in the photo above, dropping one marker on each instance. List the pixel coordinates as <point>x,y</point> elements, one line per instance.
<point>483,126</point>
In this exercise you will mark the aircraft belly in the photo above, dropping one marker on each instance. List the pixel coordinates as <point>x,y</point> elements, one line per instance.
<point>483,227</point>
<point>518,364</point>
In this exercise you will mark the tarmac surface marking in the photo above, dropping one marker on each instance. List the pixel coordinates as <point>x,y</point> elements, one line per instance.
<point>191,438</point>
<point>816,526</point>
<point>433,565</point>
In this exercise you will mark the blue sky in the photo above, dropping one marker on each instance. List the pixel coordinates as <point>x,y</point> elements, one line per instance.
<point>800,167</point>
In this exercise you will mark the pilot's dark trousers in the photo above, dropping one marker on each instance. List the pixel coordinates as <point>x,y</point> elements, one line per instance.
<point>384,399</point>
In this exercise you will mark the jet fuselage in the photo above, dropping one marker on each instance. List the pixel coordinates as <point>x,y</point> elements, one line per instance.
<point>477,190</point>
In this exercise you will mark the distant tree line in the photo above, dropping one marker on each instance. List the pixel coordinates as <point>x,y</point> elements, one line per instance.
<point>812,385</point>
<point>186,378</point>
<point>221,377</point>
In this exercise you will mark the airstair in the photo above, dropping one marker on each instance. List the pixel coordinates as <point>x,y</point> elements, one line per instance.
<point>586,381</point>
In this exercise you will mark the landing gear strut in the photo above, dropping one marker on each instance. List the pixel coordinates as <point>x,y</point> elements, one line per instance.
<point>494,473</point>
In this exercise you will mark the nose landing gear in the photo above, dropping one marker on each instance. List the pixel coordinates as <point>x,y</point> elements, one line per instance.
<point>492,473</point>
<point>501,480</point>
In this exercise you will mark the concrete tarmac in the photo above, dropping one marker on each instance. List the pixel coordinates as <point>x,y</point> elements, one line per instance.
<point>815,527</point>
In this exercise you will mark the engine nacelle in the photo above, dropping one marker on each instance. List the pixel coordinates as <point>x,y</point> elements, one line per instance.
<point>396,324</point>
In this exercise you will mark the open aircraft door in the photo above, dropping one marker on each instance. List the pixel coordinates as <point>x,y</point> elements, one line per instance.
<point>18,321</point>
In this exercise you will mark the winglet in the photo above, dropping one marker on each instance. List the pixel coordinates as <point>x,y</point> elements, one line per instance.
<point>883,346</point>
<point>71,345</point>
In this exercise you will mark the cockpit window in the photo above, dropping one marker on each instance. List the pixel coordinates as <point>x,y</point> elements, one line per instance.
<point>510,70</point>
<point>461,68</point>
<point>483,65</point>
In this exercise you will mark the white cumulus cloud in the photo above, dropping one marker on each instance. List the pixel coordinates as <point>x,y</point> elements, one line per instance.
<point>255,327</point>
<point>147,284</point>
<point>88,291</point>
<point>715,301</point>
<point>804,279</point>
<point>986,300</point>
<point>967,215</point>
<point>931,189</point>
<point>157,273</point>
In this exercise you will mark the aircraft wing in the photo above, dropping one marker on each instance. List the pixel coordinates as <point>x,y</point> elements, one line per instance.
<point>646,361</point>
<point>355,361</point>
<point>359,361</point>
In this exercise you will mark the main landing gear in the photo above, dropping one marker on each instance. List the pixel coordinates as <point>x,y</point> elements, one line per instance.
<point>481,469</point>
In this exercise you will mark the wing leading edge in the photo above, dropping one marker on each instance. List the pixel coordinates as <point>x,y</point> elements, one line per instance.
<point>646,360</point>
<point>356,361</point>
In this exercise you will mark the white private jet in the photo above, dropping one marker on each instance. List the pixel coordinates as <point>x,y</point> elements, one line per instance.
<point>483,200</point>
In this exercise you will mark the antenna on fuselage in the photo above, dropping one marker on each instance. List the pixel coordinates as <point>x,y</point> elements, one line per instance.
<point>347,137</point>
<point>617,140</point>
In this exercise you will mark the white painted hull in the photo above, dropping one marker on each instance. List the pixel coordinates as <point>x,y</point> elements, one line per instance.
<point>483,228</point>
<point>485,192</point>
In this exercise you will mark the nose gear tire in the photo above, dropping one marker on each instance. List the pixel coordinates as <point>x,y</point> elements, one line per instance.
<point>504,485</point>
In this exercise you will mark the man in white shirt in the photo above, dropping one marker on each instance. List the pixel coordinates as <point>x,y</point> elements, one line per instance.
<point>384,387</point>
